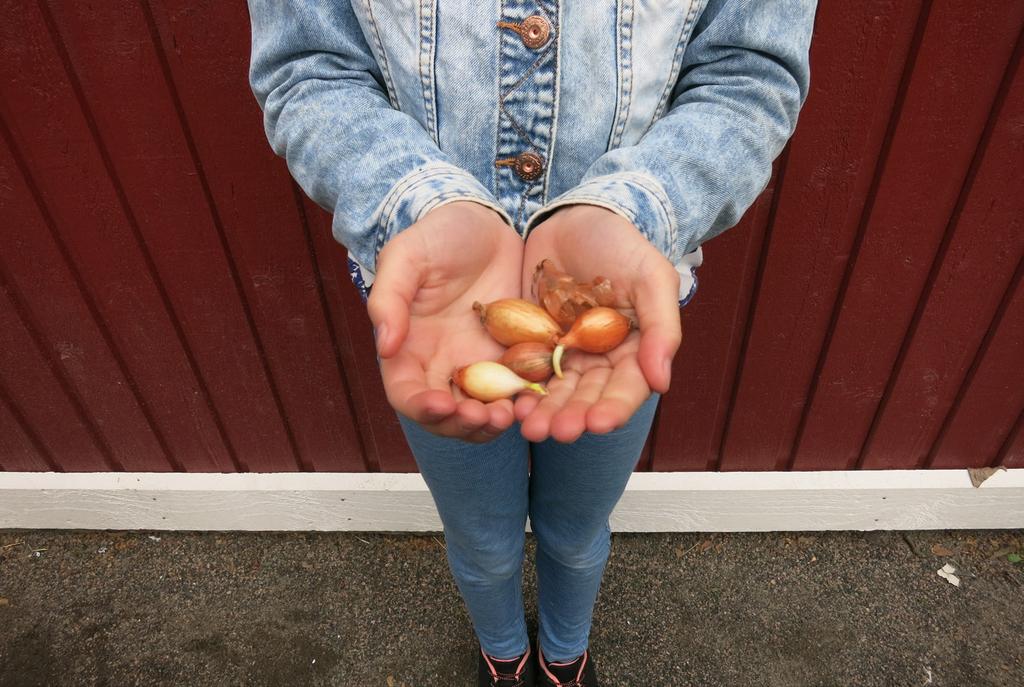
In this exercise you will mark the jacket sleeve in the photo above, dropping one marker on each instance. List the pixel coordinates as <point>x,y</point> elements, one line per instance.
<point>328,113</point>
<point>692,175</point>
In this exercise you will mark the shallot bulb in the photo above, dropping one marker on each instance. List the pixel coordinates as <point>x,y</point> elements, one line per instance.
<point>598,330</point>
<point>489,381</point>
<point>530,360</point>
<point>511,321</point>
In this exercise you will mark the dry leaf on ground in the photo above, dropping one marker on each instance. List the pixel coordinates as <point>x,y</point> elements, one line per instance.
<point>946,572</point>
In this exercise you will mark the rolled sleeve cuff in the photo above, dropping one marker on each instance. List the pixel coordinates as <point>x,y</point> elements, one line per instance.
<point>422,190</point>
<point>639,198</point>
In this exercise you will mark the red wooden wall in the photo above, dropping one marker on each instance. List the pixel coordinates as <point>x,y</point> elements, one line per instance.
<point>170,301</point>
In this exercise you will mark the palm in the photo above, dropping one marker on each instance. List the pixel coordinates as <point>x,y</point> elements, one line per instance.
<point>444,330</point>
<point>598,392</point>
<point>428,278</point>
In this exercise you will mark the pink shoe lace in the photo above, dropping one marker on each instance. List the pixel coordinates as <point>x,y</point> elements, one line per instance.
<point>516,679</point>
<point>575,682</point>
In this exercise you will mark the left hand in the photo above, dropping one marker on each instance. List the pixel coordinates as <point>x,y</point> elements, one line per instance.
<point>421,305</point>
<point>601,392</point>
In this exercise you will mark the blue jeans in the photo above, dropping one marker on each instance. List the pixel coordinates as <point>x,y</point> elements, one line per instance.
<point>484,493</point>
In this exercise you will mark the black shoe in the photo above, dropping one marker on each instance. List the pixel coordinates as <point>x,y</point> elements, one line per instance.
<point>517,672</point>
<point>578,673</point>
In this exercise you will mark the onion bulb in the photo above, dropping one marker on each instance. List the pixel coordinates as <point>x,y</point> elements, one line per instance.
<point>530,360</point>
<point>597,330</point>
<point>511,321</point>
<point>489,381</point>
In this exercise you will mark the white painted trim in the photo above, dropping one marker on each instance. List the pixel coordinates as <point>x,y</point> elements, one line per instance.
<point>653,502</point>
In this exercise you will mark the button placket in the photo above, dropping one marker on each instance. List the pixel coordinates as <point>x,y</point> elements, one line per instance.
<point>527,96</point>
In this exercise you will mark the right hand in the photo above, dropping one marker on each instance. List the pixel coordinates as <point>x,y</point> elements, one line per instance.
<point>421,305</point>
<point>599,393</point>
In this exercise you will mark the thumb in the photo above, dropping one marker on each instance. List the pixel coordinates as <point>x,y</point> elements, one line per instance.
<point>657,309</point>
<point>394,287</point>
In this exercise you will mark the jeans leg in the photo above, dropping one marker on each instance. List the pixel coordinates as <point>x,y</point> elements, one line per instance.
<point>573,489</point>
<point>480,491</point>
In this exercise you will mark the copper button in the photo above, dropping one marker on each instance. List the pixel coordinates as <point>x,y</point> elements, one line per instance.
<point>529,166</point>
<point>534,31</point>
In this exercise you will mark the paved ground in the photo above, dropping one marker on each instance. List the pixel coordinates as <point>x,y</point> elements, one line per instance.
<point>774,610</point>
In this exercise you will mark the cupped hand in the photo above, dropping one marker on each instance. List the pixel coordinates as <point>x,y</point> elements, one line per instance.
<point>421,305</point>
<point>599,393</point>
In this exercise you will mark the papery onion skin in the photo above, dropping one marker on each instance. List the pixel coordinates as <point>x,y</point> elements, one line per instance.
<point>512,321</point>
<point>530,360</point>
<point>603,292</point>
<point>564,298</point>
<point>490,381</point>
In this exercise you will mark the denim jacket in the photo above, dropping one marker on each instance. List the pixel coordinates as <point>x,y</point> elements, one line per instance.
<point>667,112</point>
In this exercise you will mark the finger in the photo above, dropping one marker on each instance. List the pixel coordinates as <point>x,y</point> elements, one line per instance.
<point>571,421</point>
<point>405,384</point>
<point>482,436</point>
<point>457,393</point>
<point>501,420</point>
<point>657,308</point>
<point>470,416</point>
<point>427,406</point>
<point>537,425</point>
<point>501,417</point>
<point>625,391</point>
<point>468,419</point>
<point>524,405</point>
<point>394,288</point>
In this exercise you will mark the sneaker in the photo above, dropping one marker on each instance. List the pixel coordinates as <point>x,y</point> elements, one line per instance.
<point>578,673</point>
<point>515,672</point>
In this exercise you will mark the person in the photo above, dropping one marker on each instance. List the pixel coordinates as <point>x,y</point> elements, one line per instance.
<point>460,143</point>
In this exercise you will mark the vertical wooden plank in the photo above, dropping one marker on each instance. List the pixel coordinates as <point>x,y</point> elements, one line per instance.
<point>150,161</point>
<point>18,453</point>
<point>931,150</point>
<point>94,228</point>
<point>55,299</point>
<point>857,57</point>
<point>1012,453</point>
<point>385,443</point>
<point>993,397</point>
<point>692,415</point>
<point>41,399</point>
<point>987,241</point>
<point>203,49</point>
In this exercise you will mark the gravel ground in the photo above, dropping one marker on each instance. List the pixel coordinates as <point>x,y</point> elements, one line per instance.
<point>766,609</point>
